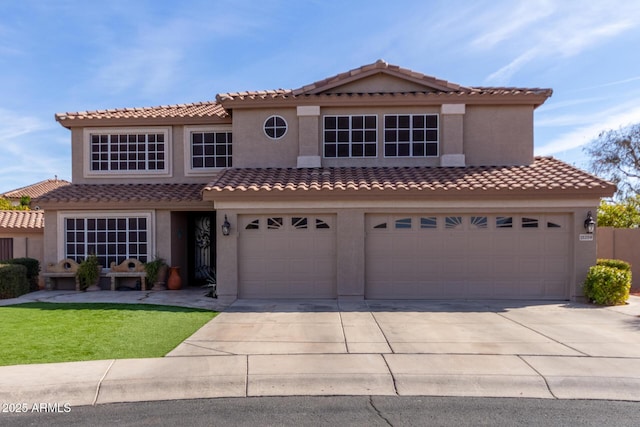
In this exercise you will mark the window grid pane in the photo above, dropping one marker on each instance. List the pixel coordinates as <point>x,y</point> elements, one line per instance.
<point>411,135</point>
<point>127,152</point>
<point>111,239</point>
<point>350,136</point>
<point>211,150</point>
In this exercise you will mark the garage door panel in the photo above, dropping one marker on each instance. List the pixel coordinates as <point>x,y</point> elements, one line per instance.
<point>518,256</point>
<point>287,256</point>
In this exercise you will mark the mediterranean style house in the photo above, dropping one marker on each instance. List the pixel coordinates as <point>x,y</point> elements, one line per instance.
<point>376,183</point>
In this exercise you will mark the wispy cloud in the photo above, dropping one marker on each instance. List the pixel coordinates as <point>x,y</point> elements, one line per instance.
<point>613,118</point>
<point>563,29</point>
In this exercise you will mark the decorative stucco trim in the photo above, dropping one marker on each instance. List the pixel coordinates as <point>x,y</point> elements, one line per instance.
<point>308,110</point>
<point>453,108</point>
<point>309,162</point>
<point>452,160</point>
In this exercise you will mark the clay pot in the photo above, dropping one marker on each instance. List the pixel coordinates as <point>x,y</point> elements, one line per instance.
<point>174,282</point>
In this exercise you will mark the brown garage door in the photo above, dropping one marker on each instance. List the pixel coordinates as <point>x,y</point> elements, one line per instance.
<point>468,256</point>
<point>287,256</point>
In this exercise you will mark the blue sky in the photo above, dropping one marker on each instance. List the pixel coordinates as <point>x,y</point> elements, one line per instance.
<point>58,56</point>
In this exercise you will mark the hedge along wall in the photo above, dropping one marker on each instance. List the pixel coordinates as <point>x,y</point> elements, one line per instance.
<point>624,244</point>
<point>13,280</point>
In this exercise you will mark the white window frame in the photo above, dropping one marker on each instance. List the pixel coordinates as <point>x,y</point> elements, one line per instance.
<point>64,215</point>
<point>411,141</point>
<point>351,142</point>
<point>275,127</point>
<point>86,138</point>
<point>189,170</point>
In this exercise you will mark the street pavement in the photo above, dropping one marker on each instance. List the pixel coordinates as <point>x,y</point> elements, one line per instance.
<point>535,349</point>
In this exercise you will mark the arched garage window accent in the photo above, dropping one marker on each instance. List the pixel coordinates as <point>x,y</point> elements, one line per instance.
<point>299,223</point>
<point>529,223</point>
<point>274,223</point>
<point>403,223</point>
<point>453,222</point>
<point>429,222</point>
<point>253,225</point>
<point>479,222</point>
<point>553,225</point>
<point>321,224</point>
<point>504,222</point>
<point>381,225</point>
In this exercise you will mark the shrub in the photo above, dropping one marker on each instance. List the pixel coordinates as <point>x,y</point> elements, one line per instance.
<point>614,263</point>
<point>33,270</point>
<point>13,281</point>
<point>607,285</point>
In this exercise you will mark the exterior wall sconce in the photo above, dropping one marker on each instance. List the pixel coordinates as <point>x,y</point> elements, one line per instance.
<point>589,223</point>
<point>226,227</point>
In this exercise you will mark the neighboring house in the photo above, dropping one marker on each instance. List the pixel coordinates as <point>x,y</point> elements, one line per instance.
<point>379,182</point>
<point>33,191</point>
<point>22,232</point>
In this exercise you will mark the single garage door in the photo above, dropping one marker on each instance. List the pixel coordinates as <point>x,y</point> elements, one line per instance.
<point>468,256</point>
<point>287,256</point>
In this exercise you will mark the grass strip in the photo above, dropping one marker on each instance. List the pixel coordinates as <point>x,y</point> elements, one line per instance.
<point>64,332</point>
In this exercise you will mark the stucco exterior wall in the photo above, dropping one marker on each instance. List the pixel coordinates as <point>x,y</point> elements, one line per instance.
<point>253,149</point>
<point>176,156</point>
<point>498,135</point>
<point>624,244</point>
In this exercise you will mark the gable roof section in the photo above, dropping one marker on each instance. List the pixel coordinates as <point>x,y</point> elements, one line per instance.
<point>380,66</point>
<point>194,112</point>
<point>153,195</point>
<point>36,190</point>
<point>436,91</point>
<point>21,220</point>
<point>546,177</point>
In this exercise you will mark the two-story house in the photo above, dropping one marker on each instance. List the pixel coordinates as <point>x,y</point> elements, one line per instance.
<point>379,182</point>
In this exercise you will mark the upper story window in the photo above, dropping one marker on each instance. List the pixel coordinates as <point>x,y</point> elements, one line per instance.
<point>275,127</point>
<point>350,136</point>
<point>411,135</point>
<point>211,150</point>
<point>127,151</point>
<point>207,149</point>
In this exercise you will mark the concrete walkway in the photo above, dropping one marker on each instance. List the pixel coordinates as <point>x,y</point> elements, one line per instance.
<point>445,348</point>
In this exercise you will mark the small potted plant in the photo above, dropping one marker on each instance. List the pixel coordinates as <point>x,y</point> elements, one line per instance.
<point>156,272</point>
<point>88,273</point>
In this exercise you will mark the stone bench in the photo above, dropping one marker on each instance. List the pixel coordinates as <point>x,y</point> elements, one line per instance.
<point>128,268</point>
<point>66,268</point>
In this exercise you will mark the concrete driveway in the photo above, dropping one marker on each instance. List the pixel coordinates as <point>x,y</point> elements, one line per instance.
<point>486,348</point>
<point>446,348</point>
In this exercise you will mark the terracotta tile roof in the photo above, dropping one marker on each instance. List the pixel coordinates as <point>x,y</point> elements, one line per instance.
<point>194,110</point>
<point>436,87</point>
<point>545,176</point>
<point>125,193</point>
<point>21,220</point>
<point>379,65</point>
<point>36,190</point>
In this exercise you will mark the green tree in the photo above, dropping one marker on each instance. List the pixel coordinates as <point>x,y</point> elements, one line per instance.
<point>624,214</point>
<point>615,155</point>
<point>6,205</point>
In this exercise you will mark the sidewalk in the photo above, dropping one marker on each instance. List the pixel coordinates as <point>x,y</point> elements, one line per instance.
<point>443,348</point>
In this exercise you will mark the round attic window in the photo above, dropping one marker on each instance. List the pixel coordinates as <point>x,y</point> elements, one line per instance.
<point>275,127</point>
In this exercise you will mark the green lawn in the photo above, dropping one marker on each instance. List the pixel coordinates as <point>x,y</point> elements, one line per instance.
<point>52,332</point>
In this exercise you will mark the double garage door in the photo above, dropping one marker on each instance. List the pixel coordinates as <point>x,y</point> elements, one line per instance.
<point>501,256</point>
<point>467,256</point>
